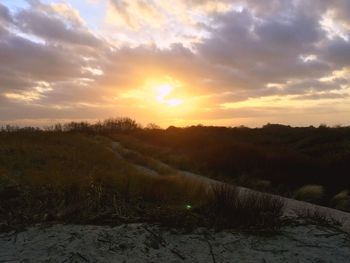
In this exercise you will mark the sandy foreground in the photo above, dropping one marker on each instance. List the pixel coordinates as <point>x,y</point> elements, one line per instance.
<point>145,243</point>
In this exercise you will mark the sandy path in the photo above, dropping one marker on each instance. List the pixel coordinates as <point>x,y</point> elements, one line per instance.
<point>145,243</point>
<point>292,207</point>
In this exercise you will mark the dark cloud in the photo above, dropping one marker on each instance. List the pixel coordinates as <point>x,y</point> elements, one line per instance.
<point>54,29</point>
<point>269,50</point>
<point>312,85</point>
<point>320,96</point>
<point>275,47</point>
<point>42,62</point>
<point>337,52</point>
<point>5,20</point>
<point>5,16</point>
<point>40,51</point>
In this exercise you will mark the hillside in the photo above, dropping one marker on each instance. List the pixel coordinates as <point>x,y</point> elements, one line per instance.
<point>59,188</point>
<point>305,163</point>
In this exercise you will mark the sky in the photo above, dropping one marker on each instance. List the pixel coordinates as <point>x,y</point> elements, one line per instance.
<point>175,62</point>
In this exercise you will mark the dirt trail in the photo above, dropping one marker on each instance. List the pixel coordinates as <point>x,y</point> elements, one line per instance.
<point>292,207</point>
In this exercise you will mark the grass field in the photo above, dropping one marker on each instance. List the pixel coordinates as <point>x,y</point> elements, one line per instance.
<point>306,163</point>
<point>76,178</point>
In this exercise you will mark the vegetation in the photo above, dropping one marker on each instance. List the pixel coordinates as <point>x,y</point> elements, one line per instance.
<point>309,193</point>
<point>70,177</point>
<point>70,173</point>
<point>317,217</point>
<point>275,158</point>
<point>231,206</point>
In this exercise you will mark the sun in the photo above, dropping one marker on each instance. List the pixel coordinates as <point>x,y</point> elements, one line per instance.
<point>163,92</point>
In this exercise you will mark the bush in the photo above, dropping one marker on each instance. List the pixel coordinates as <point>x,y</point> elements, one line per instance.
<point>341,201</point>
<point>310,193</point>
<point>229,206</point>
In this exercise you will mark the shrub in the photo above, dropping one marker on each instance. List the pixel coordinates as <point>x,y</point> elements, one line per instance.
<point>341,201</point>
<point>230,206</point>
<point>310,193</point>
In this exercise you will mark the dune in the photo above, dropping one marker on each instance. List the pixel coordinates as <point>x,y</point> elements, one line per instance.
<point>151,243</point>
<point>293,208</point>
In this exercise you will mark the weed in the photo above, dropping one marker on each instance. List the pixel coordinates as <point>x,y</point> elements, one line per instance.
<point>317,217</point>
<point>230,206</point>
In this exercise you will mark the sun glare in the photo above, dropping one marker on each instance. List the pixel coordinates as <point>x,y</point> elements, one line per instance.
<point>163,92</point>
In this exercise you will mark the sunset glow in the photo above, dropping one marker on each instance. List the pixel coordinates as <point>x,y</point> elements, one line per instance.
<point>163,96</point>
<point>178,62</point>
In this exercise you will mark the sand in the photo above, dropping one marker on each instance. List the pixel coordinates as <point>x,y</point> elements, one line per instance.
<point>147,243</point>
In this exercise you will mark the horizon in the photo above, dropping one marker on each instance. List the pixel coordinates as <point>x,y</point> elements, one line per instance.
<point>146,125</point>
<point>219,63</point>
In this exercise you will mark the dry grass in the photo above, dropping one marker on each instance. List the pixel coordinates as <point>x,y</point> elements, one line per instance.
<point>317,217</point>
<point>230,207</point>
<point>146,161</point>
<point>74,178</point>
<point>152,152</point>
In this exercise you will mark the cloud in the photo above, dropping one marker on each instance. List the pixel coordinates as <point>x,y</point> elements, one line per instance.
<point>55,23</point>
<point>320,96</point>
<point>337,52</point>
<point>137,13</point>
<point>31,68</point>
<point>267,49</point>
<point>221,53</point>
<point>5,16</point>
<point>5,20</point>
<point>260,50</point>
